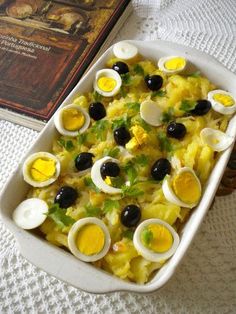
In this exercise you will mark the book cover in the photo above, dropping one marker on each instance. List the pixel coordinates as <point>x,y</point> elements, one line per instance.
<point>45,46</point>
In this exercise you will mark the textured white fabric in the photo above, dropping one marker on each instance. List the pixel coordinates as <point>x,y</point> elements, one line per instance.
<point>206,280</point>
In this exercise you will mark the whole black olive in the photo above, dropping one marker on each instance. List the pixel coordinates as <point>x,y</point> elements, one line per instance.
<point>121,135</point>
<point>97,111</point>
<point>154,82</point>
<point>120,67</point>
<point>110,169</point>
<point>66,196</point>
<point>84,161</point>
<point>130,215</point>
<point>176,130</point>
<point>202,107</point>
<point>160,169</point>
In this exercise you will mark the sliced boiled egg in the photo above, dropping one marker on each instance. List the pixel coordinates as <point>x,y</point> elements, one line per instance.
<point>150,112</point>
<point>124,50</point>
<point>155,240</point>
<point>216,139</point>
<point>107,82</point>
<point>41,169</point>
<point>71,120</point>
<point>30,213</point>
<point>89,239</point>
<point>103,185</point>
<point>182,189</point>
<point>172,64</point>
<point>222,101</point>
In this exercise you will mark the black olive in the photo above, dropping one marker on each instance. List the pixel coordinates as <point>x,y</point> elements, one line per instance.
<point>110,169</point>
<point>202,107</point>
<point>84,161</point>
<point>66,196</point>
<point>160,169</point>
<point>121,135</point>
<point>176,130</point>
<point>120,67</point>
<point>154,82</point>
<point>130,215</point>
<point>97,111</point>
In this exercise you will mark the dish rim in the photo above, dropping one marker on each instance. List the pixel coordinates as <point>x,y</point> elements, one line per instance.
<point>114,284</point>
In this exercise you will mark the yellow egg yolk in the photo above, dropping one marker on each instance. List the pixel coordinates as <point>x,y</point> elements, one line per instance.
<point>186,187</point>
<point>108,180</point>
<point>225,100</point>
<point>42,169</point>
<point>106,84</point>
<point>90,239</point>
<point>72,119</point>
<point>175,64</point>
<point>161,238</point>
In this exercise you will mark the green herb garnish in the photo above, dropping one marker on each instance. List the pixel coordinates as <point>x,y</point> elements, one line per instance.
<point>124,121</point>
<point>81,138</point>
<point>135,106</point>
<point>112,152</point>
<point>131,172</point>
<point>165,144</point>
<point>89,183</point>
<point>187,105</point>
<point>100,128</point>
<point>159,93</point>
<point>126,79</point>
<point>144,125</point>
<point>138,69</point>
<point>92,211</point>
<point>167,116</point>
<point>141,160</point>
<point>147,236</point>
<point>96,96</point>
<point>123,92</point>
<point>109,205</point>
<point>131,191</point>
<point>195,74</point>
<point>68,145</point>
<point>129,234</point>
<point>58,215</point>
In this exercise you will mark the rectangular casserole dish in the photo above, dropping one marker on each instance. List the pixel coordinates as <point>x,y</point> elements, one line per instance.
<point>64,265</point>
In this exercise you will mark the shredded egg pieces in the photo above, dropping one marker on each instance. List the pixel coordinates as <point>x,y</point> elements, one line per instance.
<point>140,137</point>
<point>186,187</point>
<point>72,119</point>
<point>90,239</point>
<point>162,239</point>
<point>42,169</point>
<point>225,100</point>
<point>175,64</point>
<point>106,84</point>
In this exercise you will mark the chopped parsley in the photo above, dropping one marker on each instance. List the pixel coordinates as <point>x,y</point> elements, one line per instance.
<point>138,69</point>
<point>141,160</point>
<point>124,121</point>
<point>146,236</point>
<point>109,205</point>
<point>58,215</point>
<point>131,172</point>
<point>135,106</point>
<point>68,145</point>
<point>129,234</point>
<point>100,128</point>
<point>195,74</point>
<point>165,144</point>
<point>89,183</point>
<point>112,152</point>
<point>159,93</point>
<point>92,211</point>
<point>167,116</point>
<point>126,79</point>
<point>187,105</point>
<point>81,138</point>
<point>131,191</point>
<point>96,96</point>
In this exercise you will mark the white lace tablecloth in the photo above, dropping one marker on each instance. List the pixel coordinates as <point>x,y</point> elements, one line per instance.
<point>206,280</point>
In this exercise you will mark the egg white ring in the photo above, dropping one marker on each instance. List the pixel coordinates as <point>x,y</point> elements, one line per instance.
<point>225,141</point>
<point>29,161</point>
<point>218,107</point>
<point>97,177</point>
<point>147,253</point>
<point>59,122</point>
<point>124,50</point>
<point>169,193</point>
<point>162,61</point>
<point>108,73</point>
<point>154,119</point>
<point>30,213</point>
<point>73,233</point>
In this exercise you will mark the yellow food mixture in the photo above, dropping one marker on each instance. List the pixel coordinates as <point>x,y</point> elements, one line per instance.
<point>147,144</point>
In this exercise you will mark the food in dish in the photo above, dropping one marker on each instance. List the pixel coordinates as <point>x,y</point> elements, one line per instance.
<point>138,169</point>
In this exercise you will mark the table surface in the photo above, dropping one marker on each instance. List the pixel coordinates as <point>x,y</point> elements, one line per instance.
<point>206,280</point>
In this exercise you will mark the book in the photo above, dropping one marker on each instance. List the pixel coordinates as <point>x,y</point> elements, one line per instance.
<point>45,47</point>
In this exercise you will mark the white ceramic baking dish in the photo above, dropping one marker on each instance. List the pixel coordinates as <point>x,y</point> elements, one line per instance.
<point>63,264</point>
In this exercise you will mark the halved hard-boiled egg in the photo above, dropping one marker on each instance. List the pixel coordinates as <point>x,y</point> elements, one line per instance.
<point>172,64</point>
<point>216,139</point>
<point>124,50</point>
<point>155,240</point>
<point>41,169</point>
<point>183,188</point>
<point>150,112</point>
<point>71,120</point>
<point>30,213</point>
<point>222,101</point>
<point>98,179</point>
<point>107,82</point>
<point>89,239</point>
